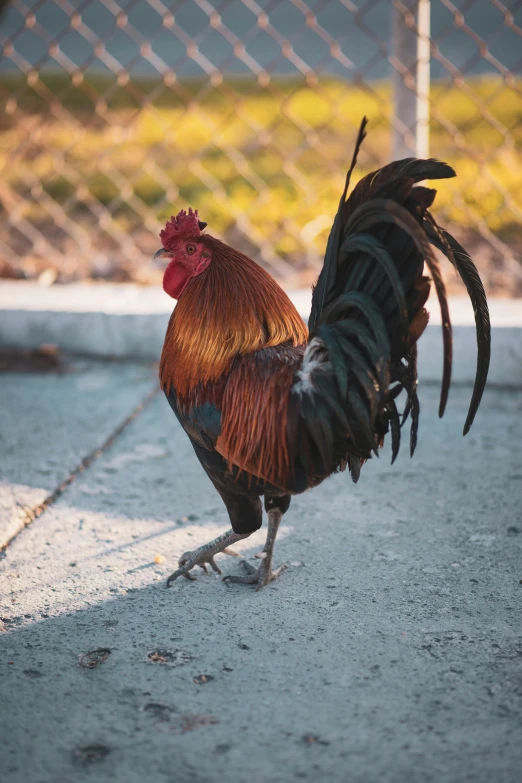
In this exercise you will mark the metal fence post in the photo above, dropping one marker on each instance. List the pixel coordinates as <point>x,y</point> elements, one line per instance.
<point>411,77</point>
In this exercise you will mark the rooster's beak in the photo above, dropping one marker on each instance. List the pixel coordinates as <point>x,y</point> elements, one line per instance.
<point>158,258</point>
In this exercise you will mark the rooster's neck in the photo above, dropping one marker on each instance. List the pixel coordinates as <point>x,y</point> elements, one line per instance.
<point>235,307</point>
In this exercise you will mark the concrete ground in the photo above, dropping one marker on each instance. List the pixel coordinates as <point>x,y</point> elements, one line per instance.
<point>129,321</point>
<point>389,651</point>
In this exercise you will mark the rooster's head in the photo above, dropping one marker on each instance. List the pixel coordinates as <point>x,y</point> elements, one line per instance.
<point>188,256</point>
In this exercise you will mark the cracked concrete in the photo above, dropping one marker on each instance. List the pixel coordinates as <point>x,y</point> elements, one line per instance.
<point>390,650</point>
<point>49,423</point>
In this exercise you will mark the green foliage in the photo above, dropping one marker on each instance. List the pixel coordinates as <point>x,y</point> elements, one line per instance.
<point>276,154</point>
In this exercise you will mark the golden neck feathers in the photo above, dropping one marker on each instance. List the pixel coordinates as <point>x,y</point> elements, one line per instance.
<point>234,307</point>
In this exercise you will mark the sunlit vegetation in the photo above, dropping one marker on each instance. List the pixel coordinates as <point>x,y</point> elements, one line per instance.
<point>273,155</point>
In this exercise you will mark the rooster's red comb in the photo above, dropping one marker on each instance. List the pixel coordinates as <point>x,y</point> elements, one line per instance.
<point>182,226</point>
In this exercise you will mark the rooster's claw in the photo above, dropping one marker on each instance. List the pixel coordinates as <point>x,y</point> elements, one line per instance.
<point>200,557</point>
<point>261,576</point>
<point>204,556</point>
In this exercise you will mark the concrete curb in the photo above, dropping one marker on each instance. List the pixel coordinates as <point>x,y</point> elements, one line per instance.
<point>129,321</point>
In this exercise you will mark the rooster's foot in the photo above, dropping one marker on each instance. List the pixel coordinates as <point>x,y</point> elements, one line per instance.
<point>204,556</point>
<point>196,558</point>
<point>261,576</point>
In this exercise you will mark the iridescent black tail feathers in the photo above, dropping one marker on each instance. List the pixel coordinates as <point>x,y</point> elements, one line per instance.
<point>368,313</point>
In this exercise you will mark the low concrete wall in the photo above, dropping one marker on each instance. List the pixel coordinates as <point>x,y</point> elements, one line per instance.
<point>129,321</point>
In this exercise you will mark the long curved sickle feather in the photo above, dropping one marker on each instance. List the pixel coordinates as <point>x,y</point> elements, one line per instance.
<point>462,262</point>
<point>329,270</point>
<point>395,428</point>
<point>386,210</point>
<point>367,307</point>
<point>366,243</point>
<point>372,185</point>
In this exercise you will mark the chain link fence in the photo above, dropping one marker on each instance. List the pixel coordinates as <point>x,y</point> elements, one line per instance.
<point>116,114</point>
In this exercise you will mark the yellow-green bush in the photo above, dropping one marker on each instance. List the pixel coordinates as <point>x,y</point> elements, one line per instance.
<point>276,155</point>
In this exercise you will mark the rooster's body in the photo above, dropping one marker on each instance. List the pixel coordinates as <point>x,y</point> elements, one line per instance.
<point>272,410</point>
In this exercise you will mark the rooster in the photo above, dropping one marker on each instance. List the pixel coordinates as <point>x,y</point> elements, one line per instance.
<point>273,408</point>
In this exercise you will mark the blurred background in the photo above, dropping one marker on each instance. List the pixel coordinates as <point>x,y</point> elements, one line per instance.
<point>117,113</point>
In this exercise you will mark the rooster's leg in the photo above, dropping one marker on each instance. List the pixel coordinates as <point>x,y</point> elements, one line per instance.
<point>263,575</point>
<point>205,554</point>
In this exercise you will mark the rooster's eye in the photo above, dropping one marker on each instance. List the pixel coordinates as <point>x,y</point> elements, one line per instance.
<point>191,249</point>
